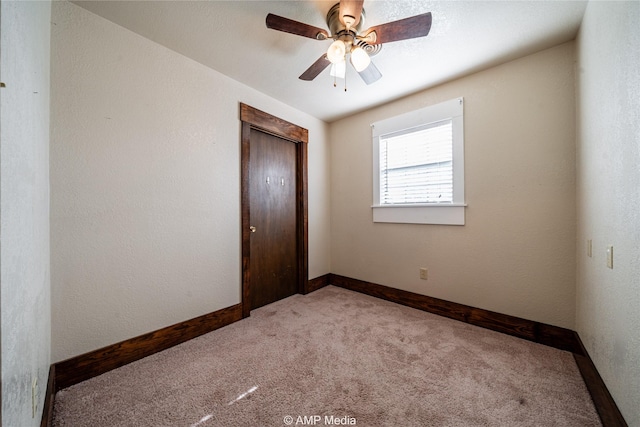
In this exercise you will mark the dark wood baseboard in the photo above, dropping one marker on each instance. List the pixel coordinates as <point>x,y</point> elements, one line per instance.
<point>94,363</point>
<point>317,283</point>
<point>77,369</point>
<point>609,412</point>
<point>49,396</point>
<point>553,336</point>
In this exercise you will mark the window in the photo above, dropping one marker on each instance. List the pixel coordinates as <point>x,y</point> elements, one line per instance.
<point>416,165</point>
<point>419,166</point>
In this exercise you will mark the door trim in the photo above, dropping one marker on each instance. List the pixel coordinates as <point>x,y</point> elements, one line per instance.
<point>253,118</point>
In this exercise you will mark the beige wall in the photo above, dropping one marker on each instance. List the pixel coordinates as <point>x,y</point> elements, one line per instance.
<point>516,253</point>
<point>608,197</point>
<point>24,210</point>
<point>145,175</point>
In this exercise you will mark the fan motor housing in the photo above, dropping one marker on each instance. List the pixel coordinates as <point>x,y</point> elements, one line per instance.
<point>336,27</point>
<point>340,32</point>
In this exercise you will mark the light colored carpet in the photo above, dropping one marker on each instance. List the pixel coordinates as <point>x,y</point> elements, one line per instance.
<point>338,353</point>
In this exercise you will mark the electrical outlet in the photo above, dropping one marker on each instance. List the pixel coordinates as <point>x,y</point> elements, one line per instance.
<point>423,274</point>
<point>35,395</point>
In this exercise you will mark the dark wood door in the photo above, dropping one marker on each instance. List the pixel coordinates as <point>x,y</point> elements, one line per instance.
<point>269,270</point>
<point>272,218</point>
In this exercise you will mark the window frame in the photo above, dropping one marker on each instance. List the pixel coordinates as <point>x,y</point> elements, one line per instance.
<point>444,213</point>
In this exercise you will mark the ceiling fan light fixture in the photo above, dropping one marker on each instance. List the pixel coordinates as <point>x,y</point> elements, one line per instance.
<point>345,20</point>
<point>337,51</point>
<point>360,59</point>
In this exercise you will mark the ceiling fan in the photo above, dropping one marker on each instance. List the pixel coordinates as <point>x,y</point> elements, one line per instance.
<point>345,20</point>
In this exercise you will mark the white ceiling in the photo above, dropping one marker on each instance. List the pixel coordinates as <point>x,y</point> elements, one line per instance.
<point>231,37</point>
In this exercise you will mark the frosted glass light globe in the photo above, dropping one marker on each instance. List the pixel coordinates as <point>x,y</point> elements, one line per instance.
<point>360,59</point>
<point>336,51</point>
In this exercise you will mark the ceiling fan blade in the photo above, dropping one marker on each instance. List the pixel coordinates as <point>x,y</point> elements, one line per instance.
<point>350,11</point>
<point>403,29</point>
<point>371,74</point>
<point>316,68</point>
<point>287,25</point>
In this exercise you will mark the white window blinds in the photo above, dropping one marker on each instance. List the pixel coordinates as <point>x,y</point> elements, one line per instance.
<point>416,166</point>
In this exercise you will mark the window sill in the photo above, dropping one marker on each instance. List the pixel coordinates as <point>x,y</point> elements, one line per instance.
<point>432,213</point>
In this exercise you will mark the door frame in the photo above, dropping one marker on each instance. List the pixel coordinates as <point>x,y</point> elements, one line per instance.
<point>252,118</point>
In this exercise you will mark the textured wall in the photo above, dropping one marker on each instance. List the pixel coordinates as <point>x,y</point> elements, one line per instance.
<point>145,175</point>
<point>608,183</point>
<point>516,253</point>
<point>24,208</point>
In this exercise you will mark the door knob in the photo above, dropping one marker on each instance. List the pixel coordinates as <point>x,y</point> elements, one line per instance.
<point>253,229</point>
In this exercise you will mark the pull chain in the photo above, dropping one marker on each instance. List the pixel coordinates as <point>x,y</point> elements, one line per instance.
<point>345,79</point>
